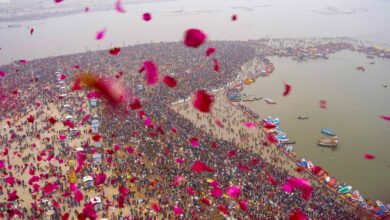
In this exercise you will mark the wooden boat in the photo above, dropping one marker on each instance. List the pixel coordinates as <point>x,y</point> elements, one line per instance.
<point>327,143</point>
<point>329,139</point>
<point>370,57</point>
<point>290,142</point>
<point>303,117</point>
<point>361,68</point>
<point>345,189</point>
<point>355,196</point>
<point>382,206</point>
<point>372,63</point>
<point>328,132</point>
<point>269,101</point>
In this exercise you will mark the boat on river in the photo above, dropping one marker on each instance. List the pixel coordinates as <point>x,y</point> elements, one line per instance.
<point>382,206</point>
<point>328,132</point>
<point>328,142</point>
<point>345,189</point>
<point>303,117</point>
<point>269,101</point>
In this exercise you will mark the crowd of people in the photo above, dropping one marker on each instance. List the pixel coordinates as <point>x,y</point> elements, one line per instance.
<point>147,167</point>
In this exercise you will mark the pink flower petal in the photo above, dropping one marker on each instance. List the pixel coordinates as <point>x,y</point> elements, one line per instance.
<point>216,192</point>
<point>287,89</point>
<point>194,142</point>
<point>100,34</point>
<point>198,167</point>
<point>68,123</point>
<point>219,123</point>
<point>323,104</point>
<point>385,117</point>
<point>115,51</point>
<point>177,210</point>
<point>216,65</point>
<point>2,74</point>
<point>23,61</point>
<point>250,125</point>
<point>179,160</point>
<point>233,191</point>
<point>203,101</point>
<point>223,209</point>
<point>30,119</point>
<point>243,205</point>
<point>118,6</point>
<point>194,38</point>
<point>58,1</point>
<point>86,9</point>
<point>78,196</point>
<point>297,215</point>
<point>234,17</point>
<point>298,183</point>
<point>155,207</point>
<point>170,81</point>
<point>10,180</point>
<point>31,31</point>
<point>210,51</point>
<point>85,119</point>
<point>190,191</point>
<point>369,156</point>
<point>205,201</point>
<point>100,179</point>
<point>147,16</point>
<point>151,75</point>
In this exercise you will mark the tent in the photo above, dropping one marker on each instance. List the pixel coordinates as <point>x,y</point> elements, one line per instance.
<point>97,159</point>
<point>88,181</point>
<point>97,203</point>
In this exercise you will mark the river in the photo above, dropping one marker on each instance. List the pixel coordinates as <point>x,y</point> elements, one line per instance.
<point>355,100</point>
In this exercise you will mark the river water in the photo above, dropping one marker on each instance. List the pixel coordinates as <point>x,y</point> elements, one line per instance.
<point>354,102</point>
<point>355,99</point>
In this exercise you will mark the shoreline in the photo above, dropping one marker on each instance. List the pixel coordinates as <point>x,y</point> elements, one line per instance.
<point>318,180</point>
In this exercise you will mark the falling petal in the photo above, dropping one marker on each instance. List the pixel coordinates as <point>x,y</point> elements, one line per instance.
<point>52,120</point>
<point>2,74</point>
<point>322,103</point>
<point>287,89</point>
<point>147,16</point>
<point>85,119</point>
<point>243,205</point>
<point>30,119</point>
<point>298,183</point>
<point>170,81</point>
<point>250,125</point>
<point>115,51</point>
<point>369,156</point>
<point>156,207</point>
<point>216,192</point>
<point>203,101</point>
<point>385,117</point>
<point>78,196</point>
<point>216,65</point>
<point>96,137</point>
<point>118,6</point>
<point>100,34</point>
<point>194,142</point>
<point>190,191</point>
<point>179,160</point>
<point>234,17</point>
<point>210,51</point>
<point>86,9</point>
<point>198,167</point>
<point>23,61</point>
<point>223,209</point>
<point>151,75</point>
<point>177,210</point>
<point>68,123</point>
<point>205,201</point>
<point>31,31</point>
<point>219,123</point>
<point>136,104</point>
<point>58,1</point>
<point>297,215</point>
<point>194,38</point>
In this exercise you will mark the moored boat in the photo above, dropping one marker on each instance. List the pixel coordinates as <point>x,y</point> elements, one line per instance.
<point>345,189</point>
<point>327,144</point>
<point>328,132</point>
<point>382,206</point>
<point>269,101</point>
<point>355,196</point>
<point>303,117</point>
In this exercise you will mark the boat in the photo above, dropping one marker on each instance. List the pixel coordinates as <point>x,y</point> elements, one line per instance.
<point>372,63</point>
<point>361,68</point>
<point>345,189</point>
<point>327,143</point>
<point>382,206</point>
<point>248,81</point>
<point>329,139</point>
<point>355,196</point>
<point>370,57</point>
<point>303,117</point>
<point>328,132</point>
<point>269,101</point>
<point>276,121</point>
<point>384,85</point>
<point>290,142</point>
